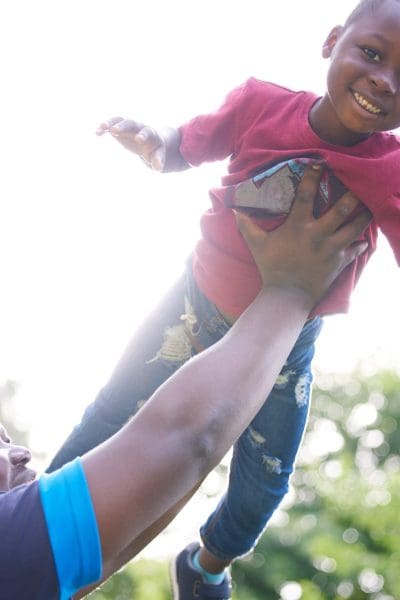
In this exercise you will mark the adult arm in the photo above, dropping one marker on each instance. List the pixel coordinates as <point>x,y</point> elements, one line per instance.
<point>187,426</point>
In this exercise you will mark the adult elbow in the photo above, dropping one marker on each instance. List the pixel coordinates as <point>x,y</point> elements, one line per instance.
<point>207,447</point>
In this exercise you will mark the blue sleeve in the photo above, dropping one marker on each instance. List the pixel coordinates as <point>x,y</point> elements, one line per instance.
<point>72,527</point>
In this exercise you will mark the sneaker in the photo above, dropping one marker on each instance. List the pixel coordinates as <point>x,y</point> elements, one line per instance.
<point>188,584</point>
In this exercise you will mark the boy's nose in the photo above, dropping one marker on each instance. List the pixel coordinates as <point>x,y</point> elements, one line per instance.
<point>386,82</point>
<point>19,455</point>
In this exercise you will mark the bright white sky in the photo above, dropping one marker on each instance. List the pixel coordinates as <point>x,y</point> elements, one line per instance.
<point>90,238</point>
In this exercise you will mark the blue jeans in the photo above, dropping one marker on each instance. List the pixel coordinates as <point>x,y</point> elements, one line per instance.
<point>264,455</point>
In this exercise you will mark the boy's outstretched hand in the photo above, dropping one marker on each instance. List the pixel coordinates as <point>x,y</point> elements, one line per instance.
<point>159,150</point>
<point>307,253</point>
<point>140,139</point>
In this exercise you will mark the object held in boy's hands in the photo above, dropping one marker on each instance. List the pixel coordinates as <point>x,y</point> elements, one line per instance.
<point>271,192</point>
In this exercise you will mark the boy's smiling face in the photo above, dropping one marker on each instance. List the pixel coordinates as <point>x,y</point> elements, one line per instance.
<point>363,83</point>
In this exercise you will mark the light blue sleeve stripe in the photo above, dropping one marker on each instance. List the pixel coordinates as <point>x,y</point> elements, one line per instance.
<point>72,527</point>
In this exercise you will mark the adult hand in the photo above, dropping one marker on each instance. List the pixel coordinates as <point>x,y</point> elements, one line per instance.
<point>305,252</point>
<point>140,139</point>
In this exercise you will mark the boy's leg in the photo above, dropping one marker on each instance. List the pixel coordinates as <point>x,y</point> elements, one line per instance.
<point>161,345</point>
<point>262,462</point>
<point>158,348</point>
<point>263,457</point>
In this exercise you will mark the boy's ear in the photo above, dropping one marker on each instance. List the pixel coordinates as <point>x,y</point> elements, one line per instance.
<point>331,40</point>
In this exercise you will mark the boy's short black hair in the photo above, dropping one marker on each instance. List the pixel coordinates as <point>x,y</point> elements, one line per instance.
<point>363,6</point>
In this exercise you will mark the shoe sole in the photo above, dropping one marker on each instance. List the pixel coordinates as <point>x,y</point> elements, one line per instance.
<point>173,579</point>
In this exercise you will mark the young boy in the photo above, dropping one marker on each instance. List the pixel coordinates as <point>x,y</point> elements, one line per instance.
<point>261,125</point>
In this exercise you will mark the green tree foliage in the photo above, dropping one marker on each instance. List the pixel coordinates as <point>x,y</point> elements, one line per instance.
<point>337,536</point>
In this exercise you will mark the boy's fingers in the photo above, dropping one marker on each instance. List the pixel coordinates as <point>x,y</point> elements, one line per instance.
<point>305,195</point>
<point>157,159</point>
<point>106,125</point>
<point>113,121</point>
<point>147,135</point>
<point>151,148</point>
<point>126,126</point>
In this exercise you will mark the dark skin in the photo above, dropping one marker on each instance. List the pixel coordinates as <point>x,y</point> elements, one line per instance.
<point>13,463</point>
<point>363,83</point>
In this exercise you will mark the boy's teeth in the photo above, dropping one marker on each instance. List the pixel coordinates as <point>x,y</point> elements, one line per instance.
<point>365,104</point>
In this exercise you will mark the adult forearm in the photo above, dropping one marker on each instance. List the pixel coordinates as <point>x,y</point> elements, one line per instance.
<point>191,421</point>
<point>227,385</point>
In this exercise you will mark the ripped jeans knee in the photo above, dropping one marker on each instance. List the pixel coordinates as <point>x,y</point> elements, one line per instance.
<point>199,327</point>
<point>264,457</point>
<point>177,344</point>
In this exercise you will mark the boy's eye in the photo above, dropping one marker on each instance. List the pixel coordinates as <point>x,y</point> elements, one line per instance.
<point>371,54</point>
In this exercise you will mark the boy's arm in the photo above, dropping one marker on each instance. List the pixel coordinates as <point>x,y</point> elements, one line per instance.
<point>159,149</point>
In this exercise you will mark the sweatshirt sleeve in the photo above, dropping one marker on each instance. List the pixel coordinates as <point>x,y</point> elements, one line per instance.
<point>211,137</point>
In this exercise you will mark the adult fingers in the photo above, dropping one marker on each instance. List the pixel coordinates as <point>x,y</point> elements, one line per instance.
<point>349,232</point>
<point>351,252</point>
<point>252,233</point>
<point>330,221</point>
<point>305,195</point>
